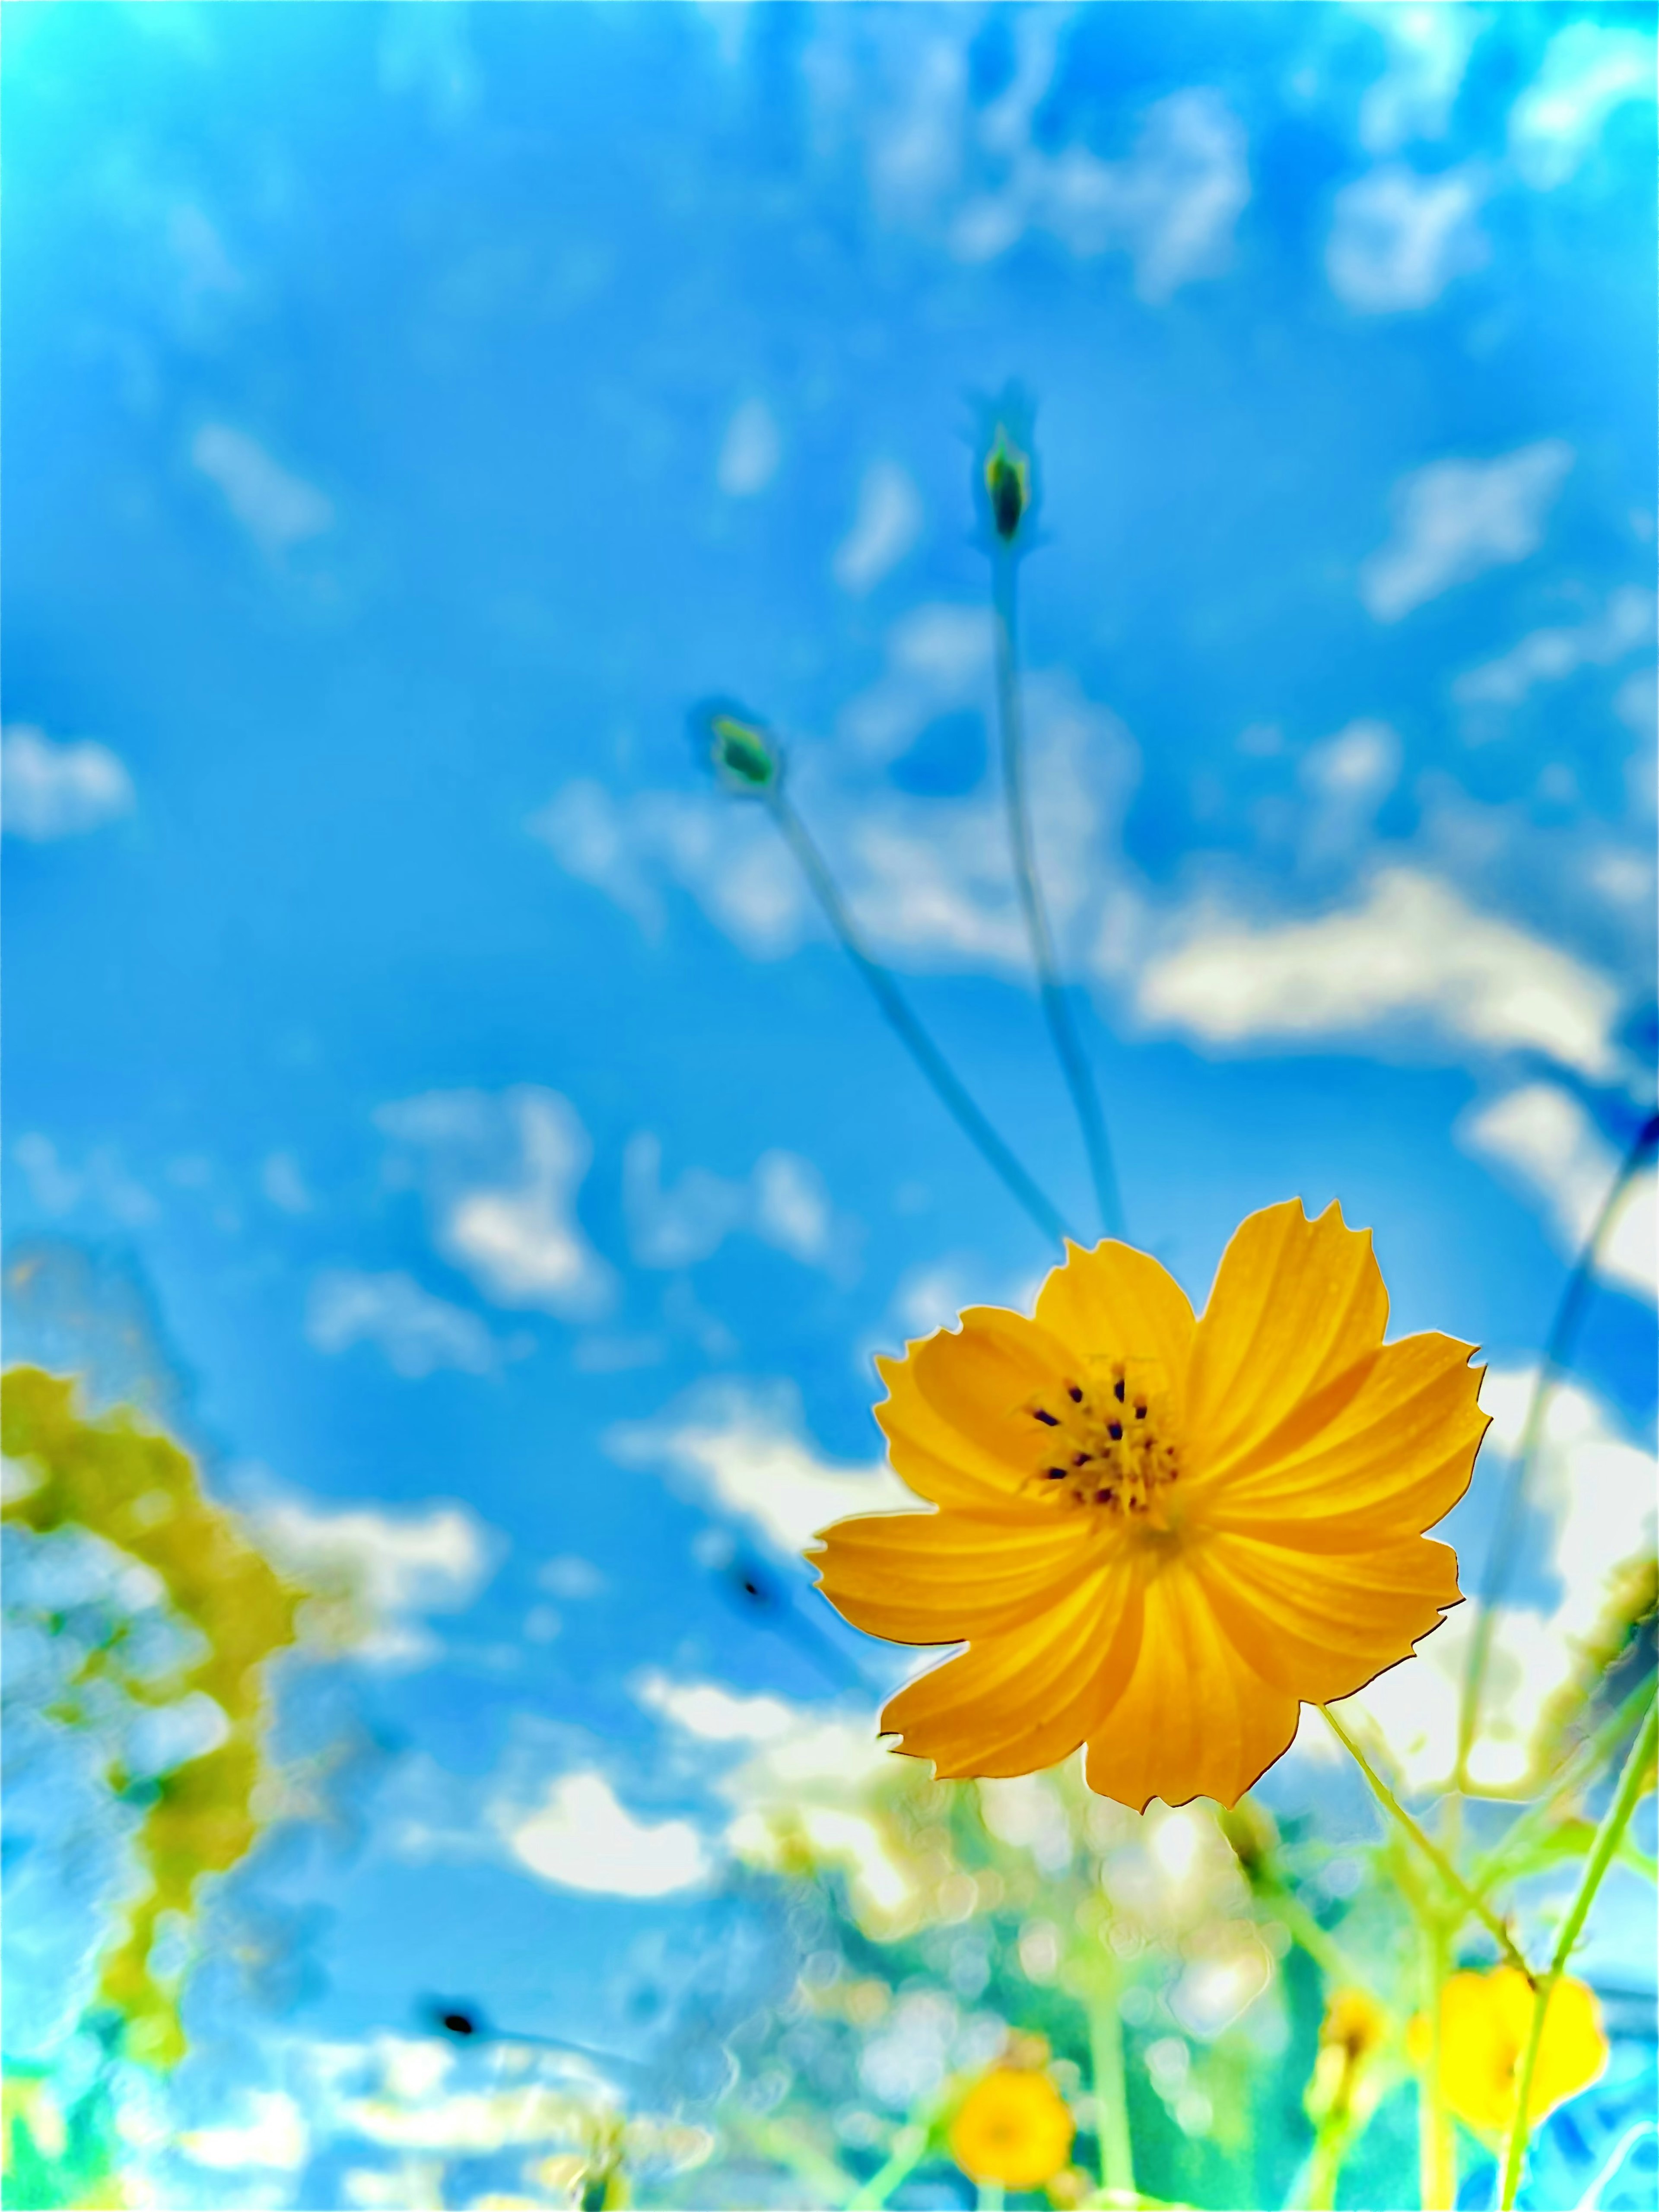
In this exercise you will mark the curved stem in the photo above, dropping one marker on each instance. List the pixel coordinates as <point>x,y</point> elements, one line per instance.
<point>1626,1797</point>
<point>1073,1064</point>
<point>909,2149</point>
<point>1500,1556</point>
<point>1430,1850</point>
<point>900,1018</point>
<point>1578,1771</point>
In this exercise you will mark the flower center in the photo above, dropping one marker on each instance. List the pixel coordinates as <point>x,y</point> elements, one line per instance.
<point>1105,1438</point>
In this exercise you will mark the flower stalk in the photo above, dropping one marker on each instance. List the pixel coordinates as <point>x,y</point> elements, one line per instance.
<point>1430,1850</point>
<point>1117,2168</point>
<point>1632,1784</point>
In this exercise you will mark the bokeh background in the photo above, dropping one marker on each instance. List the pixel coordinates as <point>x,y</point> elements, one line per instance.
<point>444,1108</point>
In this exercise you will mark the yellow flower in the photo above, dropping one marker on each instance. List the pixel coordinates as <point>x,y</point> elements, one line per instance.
<point>1485,2021</point>
<point>1012,2126</point>
<point>1158,1535</point>
<point>1354,2029</point>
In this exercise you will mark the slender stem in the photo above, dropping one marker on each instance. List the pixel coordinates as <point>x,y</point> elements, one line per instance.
<point>1320,1946</point>
<point>901,1018</point>
<point>989,2197</point>
<point>1430,1850</point>
<point>1117,2165</point>
<point>1330,2147</point>
<point>1074,1063</point>
<point>1632,1782</point>
<point>1436,2138</point>
<point>1500,1556</point>
<point>909,2149</point>
<point>1578,1771</point>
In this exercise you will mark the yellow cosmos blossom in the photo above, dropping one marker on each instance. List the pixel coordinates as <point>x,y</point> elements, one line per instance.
<point>1012,2126</point>
<point>1158,1535</point>
<point>1484,2022</point>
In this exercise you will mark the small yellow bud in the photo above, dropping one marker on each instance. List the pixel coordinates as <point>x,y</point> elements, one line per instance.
<point>1008,481</point>
<point>744,755</point>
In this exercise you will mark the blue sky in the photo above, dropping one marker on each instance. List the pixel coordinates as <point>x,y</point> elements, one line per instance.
<point>412,414</point>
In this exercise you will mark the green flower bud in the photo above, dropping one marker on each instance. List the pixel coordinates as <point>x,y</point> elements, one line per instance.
<point>744,755</point>
<point>1008,481</point>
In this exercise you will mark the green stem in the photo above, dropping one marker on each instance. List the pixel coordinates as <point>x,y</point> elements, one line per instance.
<point>1074,1063</point>
<point>1320,1946</point>
<point>989,2197</point>
<point>902,1021</point>
<point>1500,1556</point>
<point>1436,2138</point>
<point>1117,2165</point>
<point>1578,1771</point>
<point>1430,1850</point>
<point>1330,2147</point>
<point>1631,1782</point>
<point>909,2149</point>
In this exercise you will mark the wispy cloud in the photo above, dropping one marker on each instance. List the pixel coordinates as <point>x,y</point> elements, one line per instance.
<point>417,1333</point>
<point>100,1183</point>
<point>1550,655</point>
<point>782,1201</point>
<point>1398,239</point>
<point>884,528</point>
<point>502,1171</point>
<point>739,1449</point>
<point>1547,1141</point>
<point>390,1568</point>
<point>1429,47</point>
<point>750,451</point>
<point>1170,204</point>
<point>49,790</point>
<point>277,509</point>
<point>1454,519</point>
<point>1588,70</point>
<point>1411,952</point>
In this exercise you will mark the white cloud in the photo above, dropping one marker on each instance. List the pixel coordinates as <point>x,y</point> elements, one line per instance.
<point>582,1837</point>
<point>391,1567</point>
<point>729,856</point>
<point>49,790</point>
<point>1411,951</point>
<point>417,1333</point>
<point>1598,1492</point>
<point>1588,70</point>
<point>782,1201</point>
<point>1546,1137</point>
<point>570,1578</point>
<point>1454,519</point>
<point>884,528</point>
<point>277,509</point>
<point>284,1183</point>
<point>1428,50</point>
<point>274,2135</point>
<point>102,1183</point>
<point>938,657</point>
<point>1399,239</point>
<point>1548,656</point>
<point>739,1450</point>
<point>1347,778</point>
<point>750,452</point>
<point>715,1715</point>
<point>1637,702</point>
<point>502,1173</point>
<point>1170,204</point>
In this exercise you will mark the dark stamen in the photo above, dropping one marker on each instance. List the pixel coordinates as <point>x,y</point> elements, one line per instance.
<point>1117,1389</point>
<point>1140,1413</point>
<point>1115,1431</point>
<point>1052,1419</point>
<point>1076,1395</point>
<point>1056,1474</point>
<point>1081,1459</point>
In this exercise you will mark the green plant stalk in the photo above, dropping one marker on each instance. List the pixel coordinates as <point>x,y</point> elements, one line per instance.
<point>1436,2137</point>
<point>1614,1820</point>
<point>902,1019</point>
<point>1578,1771</point>
<point>1117,2165</point>
<point>1320,1946</point>
<point>1500,1556</point>
<point>988,2196</point>
<point>1073,1062</point>
<point>909,2149</point>
<point>1430,1850</point>
<point>1330,2147</point>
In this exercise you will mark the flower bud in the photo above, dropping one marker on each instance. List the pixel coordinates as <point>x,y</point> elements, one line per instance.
<point>745,756</point>
<point>1008,482</point>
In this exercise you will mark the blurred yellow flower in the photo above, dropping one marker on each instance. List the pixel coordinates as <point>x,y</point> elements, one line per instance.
<point>1485,2021</point>
<point>1159,1534</point>
<point>1012,2126</point>
<point>1354,2029</point>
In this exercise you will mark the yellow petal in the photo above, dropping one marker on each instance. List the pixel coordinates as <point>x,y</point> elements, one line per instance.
<point>1323,1625</point>
<point>1486,2020</point>
<point>1013,1703</point>
<point>942,1578</point>
<point>1119,1303</point>
<point>1389,1461</point>
<point>1195,1719</point>
<point>959,1427</point>
<point>1295,1305</point>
